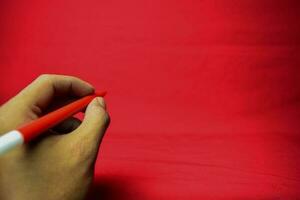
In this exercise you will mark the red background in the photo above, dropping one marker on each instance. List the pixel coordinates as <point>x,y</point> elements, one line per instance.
<point>204,95</point>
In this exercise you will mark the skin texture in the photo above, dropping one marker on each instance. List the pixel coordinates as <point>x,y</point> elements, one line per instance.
<point>59,164</point>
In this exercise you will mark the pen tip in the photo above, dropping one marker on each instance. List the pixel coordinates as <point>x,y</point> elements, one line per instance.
<point>101,94</point>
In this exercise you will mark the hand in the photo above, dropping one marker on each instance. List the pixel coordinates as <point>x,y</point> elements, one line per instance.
<point>57,165</point>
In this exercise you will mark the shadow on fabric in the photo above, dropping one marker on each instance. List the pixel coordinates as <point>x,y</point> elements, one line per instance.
<point>113,188</point>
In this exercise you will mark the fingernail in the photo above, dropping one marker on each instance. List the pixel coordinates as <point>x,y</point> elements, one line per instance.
<point>101,102</point>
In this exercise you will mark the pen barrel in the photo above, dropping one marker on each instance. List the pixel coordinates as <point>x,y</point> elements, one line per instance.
<point>36,127</point>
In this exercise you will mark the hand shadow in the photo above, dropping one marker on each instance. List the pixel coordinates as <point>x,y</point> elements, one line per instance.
<point>114,188</point>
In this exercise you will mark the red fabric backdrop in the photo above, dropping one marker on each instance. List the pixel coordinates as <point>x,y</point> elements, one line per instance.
<point>204,95</point>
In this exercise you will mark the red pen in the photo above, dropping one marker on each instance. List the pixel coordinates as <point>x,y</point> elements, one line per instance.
<point>34,128</point>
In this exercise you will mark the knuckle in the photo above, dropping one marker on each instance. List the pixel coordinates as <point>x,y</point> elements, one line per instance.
<point>45,77</point>
<point>105,118</point>
<point>69,78</point>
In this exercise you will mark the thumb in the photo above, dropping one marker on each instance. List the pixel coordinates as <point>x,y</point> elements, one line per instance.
<point>94,124</point>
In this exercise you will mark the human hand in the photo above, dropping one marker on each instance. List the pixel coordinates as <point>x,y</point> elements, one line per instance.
<point>60,163</point>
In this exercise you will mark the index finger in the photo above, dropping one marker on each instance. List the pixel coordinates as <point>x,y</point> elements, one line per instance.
<point>42,90</point>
